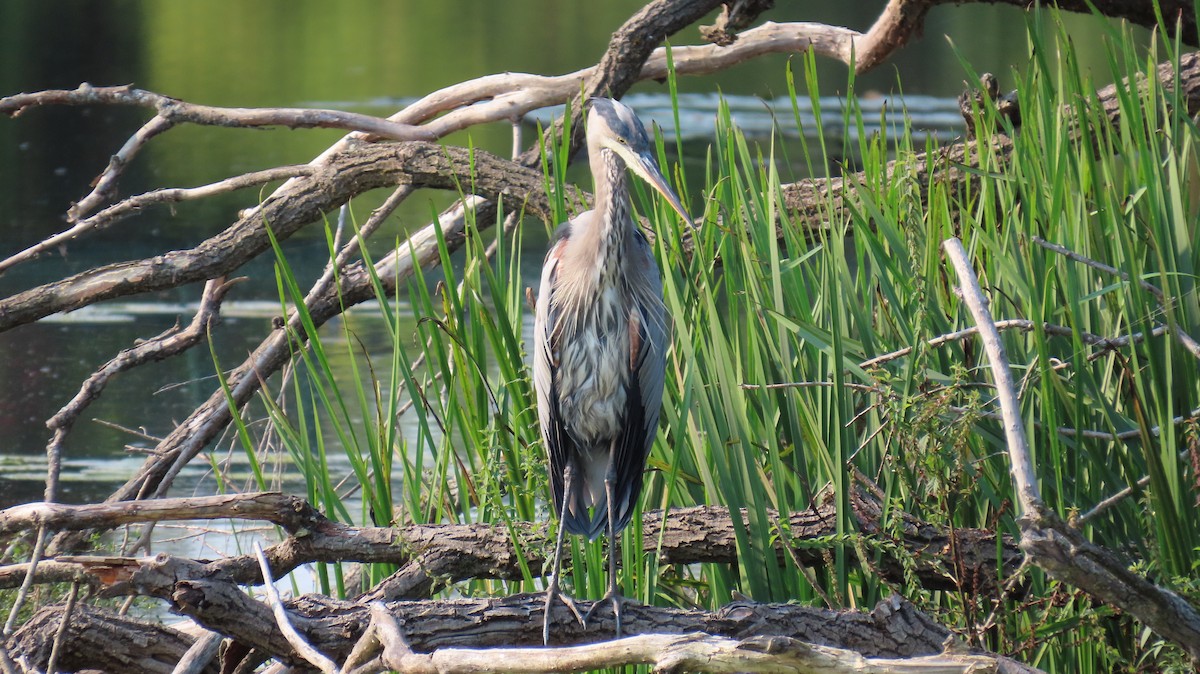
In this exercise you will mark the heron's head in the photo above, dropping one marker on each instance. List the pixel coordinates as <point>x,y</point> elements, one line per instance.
<point>612,125</point>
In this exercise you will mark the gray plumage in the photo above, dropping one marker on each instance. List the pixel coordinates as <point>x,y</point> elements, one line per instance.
<point>600,340</point>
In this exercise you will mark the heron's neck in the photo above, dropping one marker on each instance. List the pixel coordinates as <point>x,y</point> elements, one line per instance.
<point>613,217</point>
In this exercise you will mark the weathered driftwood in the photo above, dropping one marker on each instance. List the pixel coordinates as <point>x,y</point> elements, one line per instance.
<point>432,555</point>
<point>102,639</point>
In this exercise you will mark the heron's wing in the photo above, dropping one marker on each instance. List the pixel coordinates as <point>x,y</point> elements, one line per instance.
<point>649,337</point>
<point>545,363</point>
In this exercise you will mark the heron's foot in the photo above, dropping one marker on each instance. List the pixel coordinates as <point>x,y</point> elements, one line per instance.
<point>617,602</point>
<point>553,593</point>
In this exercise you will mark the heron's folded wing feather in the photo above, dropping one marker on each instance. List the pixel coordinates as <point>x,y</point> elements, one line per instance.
<point>545,362</point>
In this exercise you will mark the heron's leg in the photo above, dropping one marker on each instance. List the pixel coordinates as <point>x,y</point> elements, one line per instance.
<point>613,595</point>
<point>553,591</point>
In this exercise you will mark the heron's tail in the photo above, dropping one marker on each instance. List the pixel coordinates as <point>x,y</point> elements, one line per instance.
<point>580,523</point>
<point>587,507</point>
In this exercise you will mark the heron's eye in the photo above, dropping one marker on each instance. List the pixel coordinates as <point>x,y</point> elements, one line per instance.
<point>622,140</point>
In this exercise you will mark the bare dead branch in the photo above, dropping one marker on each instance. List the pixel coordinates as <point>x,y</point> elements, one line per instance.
<point>100,638</point>
<point>39,549</point>
<point>366,166</point>
<point>311,655</point>
<point>167,344</point>
<point>135,204</point>
<point>290,512</point>
<point>1024,477</point>
<point>106,184</point>
<point>61,633</point>
<point>894,629</point>
<point>1052,544</point>
<point>430,555</point>
<point>175,111</point>
<point>492,98</point>
<point>694,652</point>
<point>1187,341</point>
<point>1022,324</point>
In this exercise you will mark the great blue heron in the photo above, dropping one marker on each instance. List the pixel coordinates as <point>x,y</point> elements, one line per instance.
<point>600,341</point>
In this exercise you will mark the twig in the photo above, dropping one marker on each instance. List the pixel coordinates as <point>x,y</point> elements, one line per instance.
<point>135,204</point>
<point>61,634</point>
<point>106,184</point>
<point>303,648</point>
<point>39,548</point>
<point>809,384</point>
<point>1185,339</point>
<point>1024,478</point>
<point>166,344</point>
<point>1022,324</point>
<point>1067,431</point>
<point>174,110</point>
<point>1094,264</point>
<point>1111,501</point>
<point>376,219</point>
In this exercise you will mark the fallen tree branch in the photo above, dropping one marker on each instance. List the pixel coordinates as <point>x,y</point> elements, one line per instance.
<point>365,166</point>
<point>134,205</point>
<point>432,554</point>
<point>1049,541</point>
<point>695,652</point>
<point>176,111</point>
<point>895,638</point>
<point>98,638</point>
<point>893,629</point>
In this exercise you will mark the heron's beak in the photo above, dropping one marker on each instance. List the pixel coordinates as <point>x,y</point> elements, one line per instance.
<point>644,165</point>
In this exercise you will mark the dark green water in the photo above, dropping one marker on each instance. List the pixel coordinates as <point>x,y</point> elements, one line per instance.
<point>351,55</point>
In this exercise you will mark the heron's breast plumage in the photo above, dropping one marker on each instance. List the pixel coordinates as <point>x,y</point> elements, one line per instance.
<point>593,373</point>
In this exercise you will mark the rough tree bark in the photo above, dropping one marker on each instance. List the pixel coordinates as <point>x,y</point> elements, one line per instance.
<point>964,559</point>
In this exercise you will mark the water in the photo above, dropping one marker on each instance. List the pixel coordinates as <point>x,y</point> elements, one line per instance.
<point>362,56</point>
